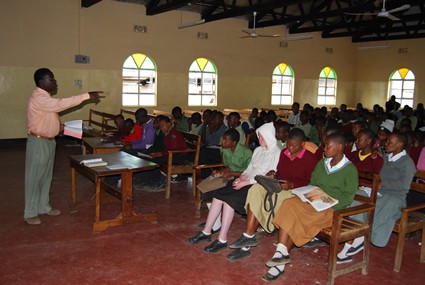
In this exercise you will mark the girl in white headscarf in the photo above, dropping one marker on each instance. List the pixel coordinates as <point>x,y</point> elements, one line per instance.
<point>232,197</point>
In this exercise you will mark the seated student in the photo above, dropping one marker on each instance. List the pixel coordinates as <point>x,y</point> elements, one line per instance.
<point>332,128</point>
<point>412,150</point>
<point>355,130</point>
<point>181,122</point>
<point>407,114</point>
<point>316,131</point>
<point>385,130</point>
<point>158,144</point>
<point>364,158</point>
<point>396,176</point>
<point>195,123</point>
<point>272,117</point>
<point>236,158</point>
<point>234,122</point>
<point>298,222</point>
<point>206,121</point>
<point>173,140</point>
<point>282,132</point>
<point>132,131</point>
<point>294,117</point>
<point>304,124</point>
<point>232,197</point>
<point>295,167</point>
<point>148,134</point>
<point>253,116</point>
<point>119,123</point>
<point>210,153</point>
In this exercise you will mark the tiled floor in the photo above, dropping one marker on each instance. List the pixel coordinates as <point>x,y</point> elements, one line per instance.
<point>63,250</point>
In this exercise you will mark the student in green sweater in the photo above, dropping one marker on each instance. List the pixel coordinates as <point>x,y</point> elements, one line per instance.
<point>298,222</point>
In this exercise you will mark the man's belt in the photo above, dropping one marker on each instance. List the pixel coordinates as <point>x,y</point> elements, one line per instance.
<point>41,137</point>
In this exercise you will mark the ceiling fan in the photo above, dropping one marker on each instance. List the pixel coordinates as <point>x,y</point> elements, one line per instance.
<point>384,13</point>
<point>252,33</point>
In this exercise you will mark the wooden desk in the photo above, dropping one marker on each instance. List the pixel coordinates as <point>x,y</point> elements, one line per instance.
<point>97,145</point>
<point>97,174</point>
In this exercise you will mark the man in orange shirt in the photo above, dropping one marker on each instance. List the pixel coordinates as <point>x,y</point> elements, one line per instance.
<point>42,126</point>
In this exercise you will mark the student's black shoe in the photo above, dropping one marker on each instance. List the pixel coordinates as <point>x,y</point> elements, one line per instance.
<point>244,241</point>
<point>215,246</point>
<point>354,250</point>
<point>199,237</point>
<point>238,253</point>
<point>269,277</point>
<point>343,260</point>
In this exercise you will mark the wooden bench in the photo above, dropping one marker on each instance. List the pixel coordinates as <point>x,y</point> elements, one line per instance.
<point>164,113</point>
<point>194,145</point>
<point>411,220</point>
<point>128,113</point>
<point>99,123</point>
<point>344,229</point>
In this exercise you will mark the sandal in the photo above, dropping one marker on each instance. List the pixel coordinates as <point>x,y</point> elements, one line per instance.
<point>275,261</point>
<point>269,277</point>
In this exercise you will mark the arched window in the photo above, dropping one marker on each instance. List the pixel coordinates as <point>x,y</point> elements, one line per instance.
<point>202,83</point>
<point>327,87</point>
<point>282,85</point>
<point>402,85</point>
<point>139,81</point>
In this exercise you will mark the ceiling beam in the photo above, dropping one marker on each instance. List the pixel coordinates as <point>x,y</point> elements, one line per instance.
<point>88,3</point>
<point>169,6</point>
<point>388,38</point>
<point>371,31</point>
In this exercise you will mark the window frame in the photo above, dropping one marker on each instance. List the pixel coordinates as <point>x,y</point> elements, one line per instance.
<point>280,74</point>
<point>146,70</point>
<point>402,73</point>
<point>328,75</point>
<point>204,72</point>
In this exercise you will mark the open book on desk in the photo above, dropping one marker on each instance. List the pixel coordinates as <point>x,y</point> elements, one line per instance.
<point>316,197</point>
<point>73,129</point>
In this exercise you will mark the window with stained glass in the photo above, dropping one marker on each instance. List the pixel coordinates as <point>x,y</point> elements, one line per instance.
<point>282,85</point>
<point>202,83</point>
<point>327,87</point>
<point>139,81</point>
<point>402,86</point>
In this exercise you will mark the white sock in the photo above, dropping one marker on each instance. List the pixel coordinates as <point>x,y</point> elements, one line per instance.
<point>209,206</point>
<point>248,236</point>
<point>275,270</point>
<point>222,241</point>
<point>217,223</point>
<point>280,248</point>
<point>342,253</point>
<point>357,241</point>
<point>205,233</point>
<point>245,248</point>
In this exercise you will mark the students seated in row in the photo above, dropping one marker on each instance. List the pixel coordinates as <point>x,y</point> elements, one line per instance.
<point>294,117</point>
<point>236,158</point>
<point>148,133</point>
<point>384,131</point>
<point>304,124</point>
<point>132,131</point>
<point>234,122</point>
<point>180,121</point>
<point>253,116</point>
<point>158,144</point>
<point>207,118</point>
<point>295,166</point>
<point>298,222</point>
<point>232,197</point>
<point>396,176</point>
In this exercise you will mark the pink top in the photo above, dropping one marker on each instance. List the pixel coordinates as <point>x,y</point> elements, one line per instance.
<point>42,117</point>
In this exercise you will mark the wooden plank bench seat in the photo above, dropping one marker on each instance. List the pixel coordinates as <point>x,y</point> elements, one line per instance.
<point>98,123</point>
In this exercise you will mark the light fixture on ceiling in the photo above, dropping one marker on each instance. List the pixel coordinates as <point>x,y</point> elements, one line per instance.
<point>297,38</point>
<point>363,48</point>
<point>191,24</point>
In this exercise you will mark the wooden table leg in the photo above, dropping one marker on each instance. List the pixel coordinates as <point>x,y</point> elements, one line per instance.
<point>97,218</point>
<point>127,194</point>
<point>73,185</point>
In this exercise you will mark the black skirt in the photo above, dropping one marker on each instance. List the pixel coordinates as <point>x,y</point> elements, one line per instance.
<point>234,198</point>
